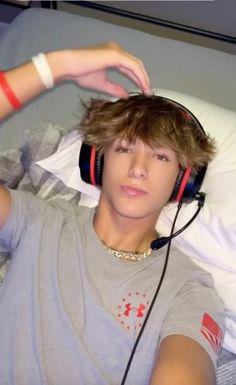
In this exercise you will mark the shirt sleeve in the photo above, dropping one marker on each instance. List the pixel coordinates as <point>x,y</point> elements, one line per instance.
<point>24,207</point>
<point>198,313</point>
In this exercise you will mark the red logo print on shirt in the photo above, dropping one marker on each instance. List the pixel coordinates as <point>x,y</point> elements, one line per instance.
<point>138,309</point>
<point>132,310</point>
<point>211,331</point>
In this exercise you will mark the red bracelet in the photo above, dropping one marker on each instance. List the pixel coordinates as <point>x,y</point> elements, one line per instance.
<point>8,92</point>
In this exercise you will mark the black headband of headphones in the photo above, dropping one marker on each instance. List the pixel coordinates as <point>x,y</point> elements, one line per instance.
<point>188,182</point>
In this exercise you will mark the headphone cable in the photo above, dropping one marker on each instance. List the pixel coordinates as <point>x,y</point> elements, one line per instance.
<point>153,299</point>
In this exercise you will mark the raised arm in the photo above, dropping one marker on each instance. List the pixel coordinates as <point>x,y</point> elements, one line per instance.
<point>86,66</point>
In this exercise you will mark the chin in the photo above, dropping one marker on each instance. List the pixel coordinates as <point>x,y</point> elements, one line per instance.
<point>133,209</point>
<point>137,213</point>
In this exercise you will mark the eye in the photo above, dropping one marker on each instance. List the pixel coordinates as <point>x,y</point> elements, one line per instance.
<point>161,157</point>
<point>122,149</point>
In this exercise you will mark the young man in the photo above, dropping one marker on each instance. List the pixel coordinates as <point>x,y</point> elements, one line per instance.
<point>71,312</point>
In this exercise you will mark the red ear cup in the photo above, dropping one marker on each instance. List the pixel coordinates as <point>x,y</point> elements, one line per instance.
<point>175,191</point>
<point>188,184</point>
<point>98,168</point>
<point>183,184</point>
<point>90,165</point>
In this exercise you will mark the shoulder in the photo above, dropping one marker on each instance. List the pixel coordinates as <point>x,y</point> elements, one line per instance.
<point>182,264</point>
<point>69,210</point>
<point>195,287</point>
<point>38,208</point>
<point>80,217</point>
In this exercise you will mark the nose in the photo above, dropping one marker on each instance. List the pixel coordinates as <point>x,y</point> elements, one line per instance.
<point>138,167</point>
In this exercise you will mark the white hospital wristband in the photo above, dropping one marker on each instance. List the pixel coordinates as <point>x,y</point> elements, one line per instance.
<point>43,70</point>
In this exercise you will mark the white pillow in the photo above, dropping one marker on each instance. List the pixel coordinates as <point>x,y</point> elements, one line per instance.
<point>211,239</point>
<point>64,165</point>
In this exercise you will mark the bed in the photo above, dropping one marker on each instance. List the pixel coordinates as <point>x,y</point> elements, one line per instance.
<point>200,78</point>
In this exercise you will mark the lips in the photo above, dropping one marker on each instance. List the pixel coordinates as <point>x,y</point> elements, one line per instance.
<point>131,191</point>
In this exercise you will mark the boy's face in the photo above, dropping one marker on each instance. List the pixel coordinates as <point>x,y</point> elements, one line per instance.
<point>137,179</point>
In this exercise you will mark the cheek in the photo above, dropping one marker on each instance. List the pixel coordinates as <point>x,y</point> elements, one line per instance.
<point>164,182</point>
<point>172,180</point>
<point>113,169</point>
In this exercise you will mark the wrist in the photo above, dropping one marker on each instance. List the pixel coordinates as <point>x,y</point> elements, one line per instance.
<point>59,64</point>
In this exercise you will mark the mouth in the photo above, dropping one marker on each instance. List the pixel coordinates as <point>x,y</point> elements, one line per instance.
<point>132,191</point>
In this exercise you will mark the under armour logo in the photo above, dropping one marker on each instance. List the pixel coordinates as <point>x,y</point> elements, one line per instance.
<point>138,310</point>
<point>132,309</point>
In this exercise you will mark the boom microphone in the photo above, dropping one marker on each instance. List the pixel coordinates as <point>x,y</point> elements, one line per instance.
<point>160,242</point>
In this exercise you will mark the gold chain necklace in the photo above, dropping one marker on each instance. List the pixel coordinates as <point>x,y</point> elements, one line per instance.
<point>128,255</point>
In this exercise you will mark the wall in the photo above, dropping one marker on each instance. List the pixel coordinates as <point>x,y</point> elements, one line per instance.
<point>218,16</point>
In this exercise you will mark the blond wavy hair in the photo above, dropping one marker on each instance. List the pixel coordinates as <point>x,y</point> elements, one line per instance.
<point>155,120</point>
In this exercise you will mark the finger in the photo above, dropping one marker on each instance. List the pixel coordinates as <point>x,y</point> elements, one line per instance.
<point>142,68</point>
<point>118,56</point>
<point>136,60</point>
<point>136,71</point>
<point>129,73</point>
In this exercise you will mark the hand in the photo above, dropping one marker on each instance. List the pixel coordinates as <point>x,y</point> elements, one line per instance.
<point>88,66</point>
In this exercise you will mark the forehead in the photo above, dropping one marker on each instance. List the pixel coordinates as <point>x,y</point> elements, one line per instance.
<point>137,143</point>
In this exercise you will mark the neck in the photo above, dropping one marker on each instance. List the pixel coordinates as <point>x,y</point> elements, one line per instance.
<point>123,233</point>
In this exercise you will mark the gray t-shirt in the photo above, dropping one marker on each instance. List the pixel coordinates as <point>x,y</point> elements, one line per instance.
<point>70,312</point>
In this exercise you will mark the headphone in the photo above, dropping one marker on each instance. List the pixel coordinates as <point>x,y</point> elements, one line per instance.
<point>188,181</point>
